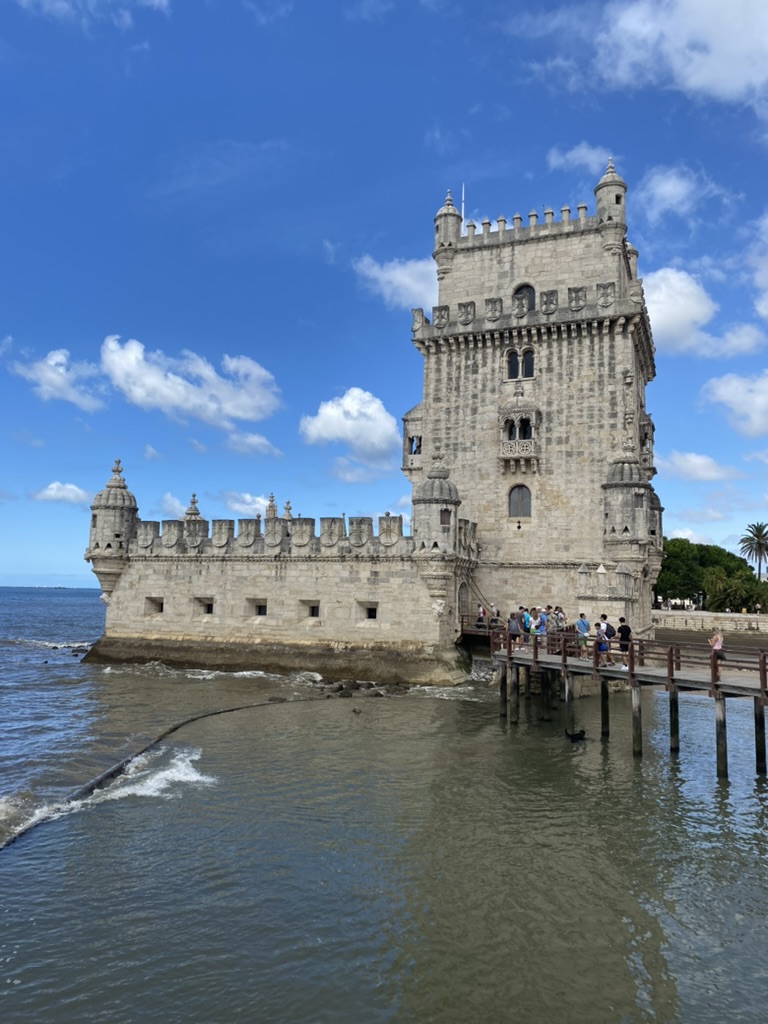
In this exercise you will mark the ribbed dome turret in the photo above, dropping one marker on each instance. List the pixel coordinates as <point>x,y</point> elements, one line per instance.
<point>610,177</point>
<point>437,487</point>
<point>115,494</point>
<point>626,471</point>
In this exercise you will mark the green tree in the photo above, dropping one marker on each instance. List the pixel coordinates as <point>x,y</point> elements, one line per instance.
<point>754,545</point>
<point>681,573</point>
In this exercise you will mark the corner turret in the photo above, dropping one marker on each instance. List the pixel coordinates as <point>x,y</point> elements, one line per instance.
<point>610,196</point>
<point>114,522</point>
<point>447,235</point>
<point>435,510</point>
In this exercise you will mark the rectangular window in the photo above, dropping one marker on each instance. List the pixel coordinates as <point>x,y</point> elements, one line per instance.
<point>371,612</point>
<point>255,606</point>
<point>153,605</point>
<point>309,609</point>
<point>639,500</point>
<point>314,611</point>
<point>203,605</point>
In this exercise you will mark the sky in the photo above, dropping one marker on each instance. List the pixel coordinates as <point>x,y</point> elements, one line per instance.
<point>216,216</point>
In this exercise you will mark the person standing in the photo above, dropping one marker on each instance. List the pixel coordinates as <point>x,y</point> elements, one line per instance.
<point>513,628</point>
<point>582,635</point>
<point>624,633</point>
<point>609,632</point>
<point>716,643</point>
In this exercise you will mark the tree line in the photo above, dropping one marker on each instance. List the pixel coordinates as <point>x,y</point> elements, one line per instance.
<point>713,577</point>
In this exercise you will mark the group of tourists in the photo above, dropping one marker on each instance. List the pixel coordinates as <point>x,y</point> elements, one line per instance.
<point>527,625</point>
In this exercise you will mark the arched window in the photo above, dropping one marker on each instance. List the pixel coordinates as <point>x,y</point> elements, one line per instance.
<point>512,431</point>
<point>524,298</point>
<point>520,502</point>
<point>513,365</point>
<point>525,432</point>
<point>528,363</point>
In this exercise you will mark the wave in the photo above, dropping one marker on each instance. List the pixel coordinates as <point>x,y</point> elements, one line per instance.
<point>48,645</point>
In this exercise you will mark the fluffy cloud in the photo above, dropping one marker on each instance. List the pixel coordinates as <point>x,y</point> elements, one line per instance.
<point>251,444</point>
<point>150,453</point>
<point>86,11</point>
<point>592,158</point>
<point>171,507</point>
<point>265,12</point>
<point>70,494</point>
<point>403,284</point>
<point>685,533</point>
<point>745,398</point>
<point>702,47</point>
<point>757,258</point>
<point>55,377</point>
<point>680,306</point>
<point>190,386</point>
<point>368,10</point>
<point>676,190</point>
<point>359,420</point>
<point>691,466</point>
<point>244,504</point>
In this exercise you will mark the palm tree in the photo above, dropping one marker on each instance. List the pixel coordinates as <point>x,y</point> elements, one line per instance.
<point>754,545</point>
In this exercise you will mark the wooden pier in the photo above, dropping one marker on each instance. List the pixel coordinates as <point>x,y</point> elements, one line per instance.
<point>555,661</point>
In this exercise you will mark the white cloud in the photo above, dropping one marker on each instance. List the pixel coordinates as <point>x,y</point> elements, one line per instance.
<point>674,190</point>
<point>198,446</point>
<point>171,507</point>
<point>350,471</point>
<point>244,504</point>
<point>190,386</point>
<point>685,533</point>
<point>329,250</point>
<point>55,377</point>
<point>6,344</point>
<point>701,47</point>
<point>268,11</point>
<point>86,11</point>
<point>680,306</point>
<point>218,164</point>
<point>745,398</point>
<point>593,158</point>
<point>757,258</point>
<point>403,284</point>
<point>368,10</point>
<point>359,420</point>
<point>71,494</point>
<point>692,466</point>
<point>703,515</point>
<point>251,444</point>
<point>757,456</point>
<point>150,453</point>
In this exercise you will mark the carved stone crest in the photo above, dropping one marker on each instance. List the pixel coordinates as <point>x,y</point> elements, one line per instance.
<point>466,312</point>
<point>606,294</point>
<point>440,316</point>
<point>419,320</point>
<point>493,309</point>
<point>273,531</point>
<point>548,302</point>
<point>360,531</point>
<point>195,531</point>
<point>247,531</point>
<point>171,533</point>
<point>330,531</point>
<point>390,529</point>
<point>520,304</point>
<point>577,299</point>
<point>222,530</point>
<point>147,533</point>
<point>302,531</point>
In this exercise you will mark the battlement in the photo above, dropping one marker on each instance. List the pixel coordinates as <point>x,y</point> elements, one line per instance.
<point>503,233</point>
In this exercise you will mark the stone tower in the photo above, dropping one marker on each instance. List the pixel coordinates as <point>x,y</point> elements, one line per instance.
<point>536,361</point>
<point>114,522</point>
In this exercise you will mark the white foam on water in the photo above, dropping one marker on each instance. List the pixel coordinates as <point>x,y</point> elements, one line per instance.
<point>143,779</point>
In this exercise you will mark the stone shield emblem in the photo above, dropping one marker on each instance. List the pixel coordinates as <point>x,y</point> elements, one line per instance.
<point>577,299</point>
<point>606,294</point>
<point>466,312</point>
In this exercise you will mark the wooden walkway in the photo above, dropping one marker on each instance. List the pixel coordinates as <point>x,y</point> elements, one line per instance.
<point>555,661</point>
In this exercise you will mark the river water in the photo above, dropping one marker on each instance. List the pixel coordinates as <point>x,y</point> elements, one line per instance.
<point>409,859</point>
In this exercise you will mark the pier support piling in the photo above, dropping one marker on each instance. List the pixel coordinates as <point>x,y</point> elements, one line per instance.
<point>513,707</point>
<point>569,715</point>
<point>760,764</point>
<point>721,735</point>
<point>674,720</point>
<point>605,719</point>
<point>503,677</point>
<point>637,721</point>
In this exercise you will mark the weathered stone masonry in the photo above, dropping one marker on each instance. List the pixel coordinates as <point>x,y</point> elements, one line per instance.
<point>533,420</point>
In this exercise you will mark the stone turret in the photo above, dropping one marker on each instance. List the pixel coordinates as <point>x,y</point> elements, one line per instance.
<point>610,196</point>
<point>447,235</point>
<point>114,522</point>
<point>435,510</point>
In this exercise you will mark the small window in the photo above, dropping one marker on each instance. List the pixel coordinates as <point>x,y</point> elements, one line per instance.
<point>203,605</point>
<point>255,606</point>
<point>93,521</point>
<point>512,431</point>
<point>154,605</point>
<point>513,365</point>
<point>520,502</point>
<point>309,609</point>
<point>314,611</point>
<point>639,500</point>
<point>371,612</point>
<point>526,430</point>
<point>528,363</point>
<point>445,517</point>
<point>414,444</point>
<point>618,200</point>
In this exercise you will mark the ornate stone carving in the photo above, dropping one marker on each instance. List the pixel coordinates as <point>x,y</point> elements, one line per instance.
<point>221,532</point>
<point>302,532</point>
<point>466,312</point>
<point>360,531</point>
<point>606,294</point>
<point>330,532</point>
<point>273,531</point>
<point>247,531</point>
<point>577,298</point>
<point>390,529</point>
<point>548,302</point>
<point>628,445</point>
<point>520,304</point>
<point>419,320</point>
<point>440,316</point>
<point>493,308</point>
<point>171,533</point>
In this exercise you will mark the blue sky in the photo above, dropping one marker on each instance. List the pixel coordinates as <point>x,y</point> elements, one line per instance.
<point>217,214</point>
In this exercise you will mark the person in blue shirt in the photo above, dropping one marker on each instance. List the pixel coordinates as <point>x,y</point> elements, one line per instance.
<point>582,632</point>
